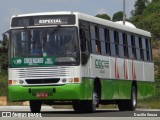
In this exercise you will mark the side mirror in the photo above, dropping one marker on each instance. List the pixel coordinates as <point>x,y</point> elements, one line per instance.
<point>5,40</point>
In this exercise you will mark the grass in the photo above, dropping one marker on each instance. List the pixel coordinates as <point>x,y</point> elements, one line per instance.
<point>151,102</point>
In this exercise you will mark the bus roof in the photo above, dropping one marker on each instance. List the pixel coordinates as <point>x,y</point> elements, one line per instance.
<point>92,19</point>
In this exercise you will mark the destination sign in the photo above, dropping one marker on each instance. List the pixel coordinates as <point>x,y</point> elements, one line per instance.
<point>50,21</point>
<point>43,20</point>
<point>42,61</point>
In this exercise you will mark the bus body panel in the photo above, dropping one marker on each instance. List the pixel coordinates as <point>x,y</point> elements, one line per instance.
<point>67,92</point>
<point>116,74</point>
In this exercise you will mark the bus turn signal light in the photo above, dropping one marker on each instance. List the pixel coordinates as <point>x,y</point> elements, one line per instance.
<point>76,80</point>
<point>10,82</point>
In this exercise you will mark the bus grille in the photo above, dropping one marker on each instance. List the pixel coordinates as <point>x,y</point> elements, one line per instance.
<point>43,72</point>
<point>42,81</point>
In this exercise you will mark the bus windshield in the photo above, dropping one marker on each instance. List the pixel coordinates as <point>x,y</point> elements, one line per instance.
<point>60,43</point>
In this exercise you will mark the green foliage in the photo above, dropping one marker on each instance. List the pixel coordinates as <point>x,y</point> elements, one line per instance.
<point>140,5</point>
<point>3,61</point>
<point>151,102</point>
<point>149,20</point>
<point>3,82</point>
<point>157,73</point>
<point>118,16</point>
<point>103,16</point>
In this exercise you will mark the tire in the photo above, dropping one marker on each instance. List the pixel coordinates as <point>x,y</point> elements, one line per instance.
<point>129,105</point>
<point>35,106</point>
<point>87,105</point>
<point>122,105</point>
<point>78,106</point>
<point>132,103</point>
<point>94,103</point>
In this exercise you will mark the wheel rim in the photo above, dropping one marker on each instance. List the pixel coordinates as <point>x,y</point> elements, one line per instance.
<point>95,99</point>
<point>134,97</point>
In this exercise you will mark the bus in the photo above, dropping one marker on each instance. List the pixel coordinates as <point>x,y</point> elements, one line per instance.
<point>78,59</point>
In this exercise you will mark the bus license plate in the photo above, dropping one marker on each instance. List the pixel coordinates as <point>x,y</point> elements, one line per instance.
<point>42,95</point>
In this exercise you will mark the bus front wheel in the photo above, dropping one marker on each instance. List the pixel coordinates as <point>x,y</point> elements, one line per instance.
<point>35,106</point>
<point>87,105</point>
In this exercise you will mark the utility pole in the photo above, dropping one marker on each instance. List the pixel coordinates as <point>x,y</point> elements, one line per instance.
<point>124,14</point>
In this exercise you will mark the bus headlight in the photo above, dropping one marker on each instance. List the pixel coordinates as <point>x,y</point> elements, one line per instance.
<point>70,80</point>
<point>64,80</point>
<point>21,82</point>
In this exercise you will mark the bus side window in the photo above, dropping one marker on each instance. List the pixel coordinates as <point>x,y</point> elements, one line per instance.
<point>144,49</point>
<point>102,40</point>
<point>150,50</point>
<point>116,42</point>
<point>93,39</point>
<point>125,45</point>
<point>133,47</point>
<point>141,49</point>
<point>98,45</point>
<point>112,44</point>
<point>84,39</point>
<point>137,48</point>
<point>147,49</point>
<point>130,52</point>
<point>121,50</point>
<point>107,40</point>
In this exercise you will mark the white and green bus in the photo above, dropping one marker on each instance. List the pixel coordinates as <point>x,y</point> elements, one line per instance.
<point>74,58</point>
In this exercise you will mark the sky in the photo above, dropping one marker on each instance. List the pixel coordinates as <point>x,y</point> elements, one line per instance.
<point>91,7</point>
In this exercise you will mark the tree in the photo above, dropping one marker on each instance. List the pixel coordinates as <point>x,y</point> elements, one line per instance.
<point>118,16</point>
<point>149,20</point>
<point>140,5</point>
<point>103,16</point>
<point>4,54</point>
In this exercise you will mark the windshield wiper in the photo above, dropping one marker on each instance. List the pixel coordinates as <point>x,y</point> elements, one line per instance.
<point>28,32</point>
<point>56,29</point>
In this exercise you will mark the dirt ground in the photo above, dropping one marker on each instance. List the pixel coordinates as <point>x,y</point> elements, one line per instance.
<point>3,101</point>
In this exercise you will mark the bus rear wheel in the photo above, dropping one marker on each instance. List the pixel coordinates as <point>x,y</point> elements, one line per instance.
<point>35,106</point>
<point>131,104</point>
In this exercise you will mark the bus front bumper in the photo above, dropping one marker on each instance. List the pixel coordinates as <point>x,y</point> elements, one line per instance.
<point>62,92</point>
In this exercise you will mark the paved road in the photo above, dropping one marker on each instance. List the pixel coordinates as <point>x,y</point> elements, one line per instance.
<point>68,114</point>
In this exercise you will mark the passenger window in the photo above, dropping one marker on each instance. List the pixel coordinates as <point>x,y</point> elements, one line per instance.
<point>112,45</point>
<point>102,41</point>
<point>144,49</point>
<point>93,38</point>
<point>125,47</point>
<point>121,50</point>
<point>137,48</point>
